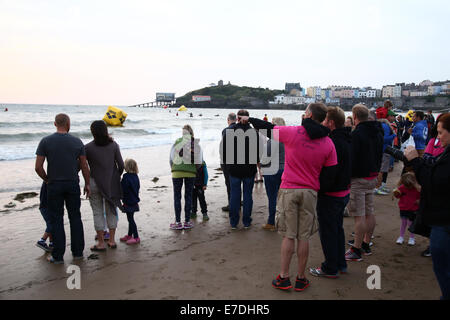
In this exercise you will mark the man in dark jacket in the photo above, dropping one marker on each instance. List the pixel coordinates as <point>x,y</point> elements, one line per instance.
<point>240,154</point>
<point>332,201</point>
<point>367,151</point>
<point>231,120</point>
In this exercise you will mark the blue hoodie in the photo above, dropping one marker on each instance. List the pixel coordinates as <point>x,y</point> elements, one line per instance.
<point>130,188</point>
<point>420,133</point>
<point>389,135</point>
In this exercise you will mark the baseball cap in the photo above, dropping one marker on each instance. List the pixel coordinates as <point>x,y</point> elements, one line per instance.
<point>392,113</point>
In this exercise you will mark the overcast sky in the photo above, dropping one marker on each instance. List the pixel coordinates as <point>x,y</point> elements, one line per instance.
<point>123,52</point>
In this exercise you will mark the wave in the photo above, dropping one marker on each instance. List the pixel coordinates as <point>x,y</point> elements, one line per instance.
<point>85,123</point>
<point>28,136</point>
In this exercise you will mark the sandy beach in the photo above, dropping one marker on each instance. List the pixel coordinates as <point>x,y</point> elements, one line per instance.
<point>208,262</point>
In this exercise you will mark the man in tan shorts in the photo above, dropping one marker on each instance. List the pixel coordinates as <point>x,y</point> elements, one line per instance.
<point>310,160</point>
<point>367,150</point>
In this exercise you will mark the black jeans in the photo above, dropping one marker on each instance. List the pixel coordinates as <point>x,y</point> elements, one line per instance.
<point>188,187</point>
<point>68,192</point>
<point>199,193</point>
<point>226,175</point>
<point>330,214</point>
<point>132,228</point>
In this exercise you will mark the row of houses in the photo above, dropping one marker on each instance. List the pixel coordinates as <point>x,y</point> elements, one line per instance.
<point>295,94</point>
<point>425,88</point>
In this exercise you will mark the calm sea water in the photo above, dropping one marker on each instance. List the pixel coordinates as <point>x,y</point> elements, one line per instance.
<point>23,126</point>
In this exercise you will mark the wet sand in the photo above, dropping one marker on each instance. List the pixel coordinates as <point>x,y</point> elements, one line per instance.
<point>208,262</point>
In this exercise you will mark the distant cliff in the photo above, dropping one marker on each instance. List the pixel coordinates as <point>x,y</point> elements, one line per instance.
<point>230,96</point>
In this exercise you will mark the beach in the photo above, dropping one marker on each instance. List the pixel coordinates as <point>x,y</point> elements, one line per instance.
<point>208,262</point>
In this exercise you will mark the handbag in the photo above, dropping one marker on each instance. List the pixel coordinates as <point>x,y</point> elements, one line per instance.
<point>419,227</point>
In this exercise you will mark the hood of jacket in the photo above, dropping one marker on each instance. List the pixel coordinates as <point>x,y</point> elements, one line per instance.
<point>342,133</point>
<point>370,128</point>
<point>314,129</point>
<point>238,125</point>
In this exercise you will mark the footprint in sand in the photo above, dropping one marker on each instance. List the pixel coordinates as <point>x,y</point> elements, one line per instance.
<point>131,291</point>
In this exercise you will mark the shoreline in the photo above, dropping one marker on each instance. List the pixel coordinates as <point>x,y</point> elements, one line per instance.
<point>152,161</point>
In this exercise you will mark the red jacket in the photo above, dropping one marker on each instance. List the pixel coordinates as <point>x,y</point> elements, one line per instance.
<point>382,113</point>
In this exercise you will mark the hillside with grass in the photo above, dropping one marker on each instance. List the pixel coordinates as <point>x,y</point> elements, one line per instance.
<point>231,95</point>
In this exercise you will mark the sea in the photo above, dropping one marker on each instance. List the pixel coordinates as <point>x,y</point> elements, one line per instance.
<point>23,126</point>
<point>146,135</point>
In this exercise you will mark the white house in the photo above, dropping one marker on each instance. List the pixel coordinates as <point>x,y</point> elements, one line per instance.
<point>362,94</point>
<point>371,93</point>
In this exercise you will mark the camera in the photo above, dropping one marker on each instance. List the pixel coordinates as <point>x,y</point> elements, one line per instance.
<point>396,153</point>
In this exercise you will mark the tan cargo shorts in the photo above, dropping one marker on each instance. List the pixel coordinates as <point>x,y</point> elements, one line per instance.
<point>385,162</point>
<point>361,197</point>
<point>296,216</point>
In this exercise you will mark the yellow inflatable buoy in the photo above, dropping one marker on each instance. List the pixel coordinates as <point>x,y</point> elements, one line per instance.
<point>114,116</point>
<point>409,115</point>
<point>182,108</point>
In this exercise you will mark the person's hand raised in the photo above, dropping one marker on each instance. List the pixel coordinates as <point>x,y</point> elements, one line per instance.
<point>243,119</point>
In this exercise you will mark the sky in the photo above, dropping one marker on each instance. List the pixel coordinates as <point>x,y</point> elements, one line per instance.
<point>98,52</point>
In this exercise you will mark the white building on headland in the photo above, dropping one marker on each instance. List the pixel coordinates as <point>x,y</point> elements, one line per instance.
<point>287,99</point>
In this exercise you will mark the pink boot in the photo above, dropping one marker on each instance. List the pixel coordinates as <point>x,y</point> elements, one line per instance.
<point>134,241</point>
<point>126,238</point>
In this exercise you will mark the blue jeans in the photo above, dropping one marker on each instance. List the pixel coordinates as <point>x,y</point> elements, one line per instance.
<point>68,192</point>
<point>235,200</point>
<point>272,183</point>
<point>440,254</point>
<point>188,189</point>
<point>47,219</point>
<point>330,214</point>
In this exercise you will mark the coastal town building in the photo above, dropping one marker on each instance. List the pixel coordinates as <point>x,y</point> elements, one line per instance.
<point>373,93</point>
<point>418,93</point>
<point>434,90</point>
<point>296,93</point>
<point>314,92</point>
<point>392,91</point>
<point>326,94</point>
<point>197,98</point>
<point>288,87</point>
<point>362,94</point>
<point>288,99</point>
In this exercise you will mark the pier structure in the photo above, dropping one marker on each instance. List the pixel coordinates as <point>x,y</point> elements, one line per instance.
<point>154,104</point>
<point>162,99</point>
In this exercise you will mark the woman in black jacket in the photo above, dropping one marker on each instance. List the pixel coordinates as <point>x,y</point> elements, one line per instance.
<point>435,204</point>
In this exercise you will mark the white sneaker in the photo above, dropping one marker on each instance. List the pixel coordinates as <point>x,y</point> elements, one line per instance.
<point>380,191</point>
<point>411,242</point>
<point>400,240</point>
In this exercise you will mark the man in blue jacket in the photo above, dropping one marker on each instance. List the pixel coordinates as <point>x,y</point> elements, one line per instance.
<point>419,132</point>
<point>388,140</point>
